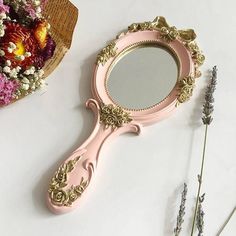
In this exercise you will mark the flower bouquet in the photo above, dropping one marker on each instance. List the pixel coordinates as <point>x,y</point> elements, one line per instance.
<point>34,37</point>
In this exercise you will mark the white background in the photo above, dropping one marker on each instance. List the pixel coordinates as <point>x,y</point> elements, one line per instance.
<point>137,188</point>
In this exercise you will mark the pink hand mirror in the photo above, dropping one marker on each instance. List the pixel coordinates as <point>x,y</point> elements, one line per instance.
<point>139,79</point>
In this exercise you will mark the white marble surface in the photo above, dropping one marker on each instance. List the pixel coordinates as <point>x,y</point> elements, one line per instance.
<point>137,188</point>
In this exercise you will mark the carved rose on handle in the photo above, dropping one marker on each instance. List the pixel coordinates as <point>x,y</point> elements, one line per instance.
<point>58,197</point>
<point>58,194</point>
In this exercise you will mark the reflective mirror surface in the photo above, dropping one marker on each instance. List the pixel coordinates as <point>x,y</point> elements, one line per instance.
<point>142,77</point>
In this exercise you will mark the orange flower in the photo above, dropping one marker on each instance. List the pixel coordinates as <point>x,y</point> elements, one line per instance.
<point>41,33</point>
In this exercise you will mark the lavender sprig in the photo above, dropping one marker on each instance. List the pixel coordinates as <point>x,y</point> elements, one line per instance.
<point>208,106</point>
<point>200,216</point>
<point>180,217</point>
<point>208,109</point>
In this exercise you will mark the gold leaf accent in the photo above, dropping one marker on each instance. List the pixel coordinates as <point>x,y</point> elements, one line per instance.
<point>108,52</point>
<point>113,116</point>
<point>186,86</point>
<point>57,193</point>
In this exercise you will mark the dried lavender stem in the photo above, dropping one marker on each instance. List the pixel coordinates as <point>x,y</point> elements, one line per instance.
<point>208,109</point>
<point>180,217</point>
<point>200,216</point>
<point>200,180</point>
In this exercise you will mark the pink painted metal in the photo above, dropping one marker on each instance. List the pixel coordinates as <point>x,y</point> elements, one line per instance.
<point>89,150</point>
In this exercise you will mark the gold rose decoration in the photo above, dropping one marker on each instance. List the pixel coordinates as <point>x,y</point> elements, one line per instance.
<point>106,53</point>
<point>113,116</point>
<point>186,86</point>
<point>169,33</point>
<point>58,195</point>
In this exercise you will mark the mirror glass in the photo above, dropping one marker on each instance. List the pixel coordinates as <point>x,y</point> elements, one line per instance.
<point>142,77</point>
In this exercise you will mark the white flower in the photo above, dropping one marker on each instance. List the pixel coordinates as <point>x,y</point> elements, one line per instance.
<point>3,16</point>
<point>6,69</point>
<point>8,63</point>
<point>27,54</point>
<point>2,32</point>
<point>37,2</point>
<point>20,58</point>
<point>2,53</point>
<point>41,73</point>
<point>25,80</point>
<point>33,86</point>
<point>27,72</point>
<point>32,68</point>
<point>18,68</point>
<point>13,73</point>
<point>42,83</point>
<point>30,71</point>
<point>38,10</point>
<point>12,45</point>
<point>10,50</point>
<point>25,86</point>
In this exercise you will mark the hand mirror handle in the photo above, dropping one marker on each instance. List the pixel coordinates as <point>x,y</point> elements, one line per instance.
<point>82,164</point>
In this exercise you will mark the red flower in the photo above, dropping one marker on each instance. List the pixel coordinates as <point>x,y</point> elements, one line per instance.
<point>31,41</point>
<point>24,41</point>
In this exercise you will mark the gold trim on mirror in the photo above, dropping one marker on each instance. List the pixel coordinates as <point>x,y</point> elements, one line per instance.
<point>113,116</point>
<point>58,195</point>
<point>186,86</point>
<point>108,52</point>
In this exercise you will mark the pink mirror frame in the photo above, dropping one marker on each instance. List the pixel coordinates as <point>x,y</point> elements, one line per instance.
<point>74,175</point>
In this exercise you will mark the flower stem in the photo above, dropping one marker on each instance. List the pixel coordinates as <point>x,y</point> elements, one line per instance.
<point>200,177</point>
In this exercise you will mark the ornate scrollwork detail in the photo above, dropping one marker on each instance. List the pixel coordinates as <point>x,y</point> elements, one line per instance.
<point>186,86</point>
<point>108,52</point>
<point>113,116</point>
<point>57,193</point>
